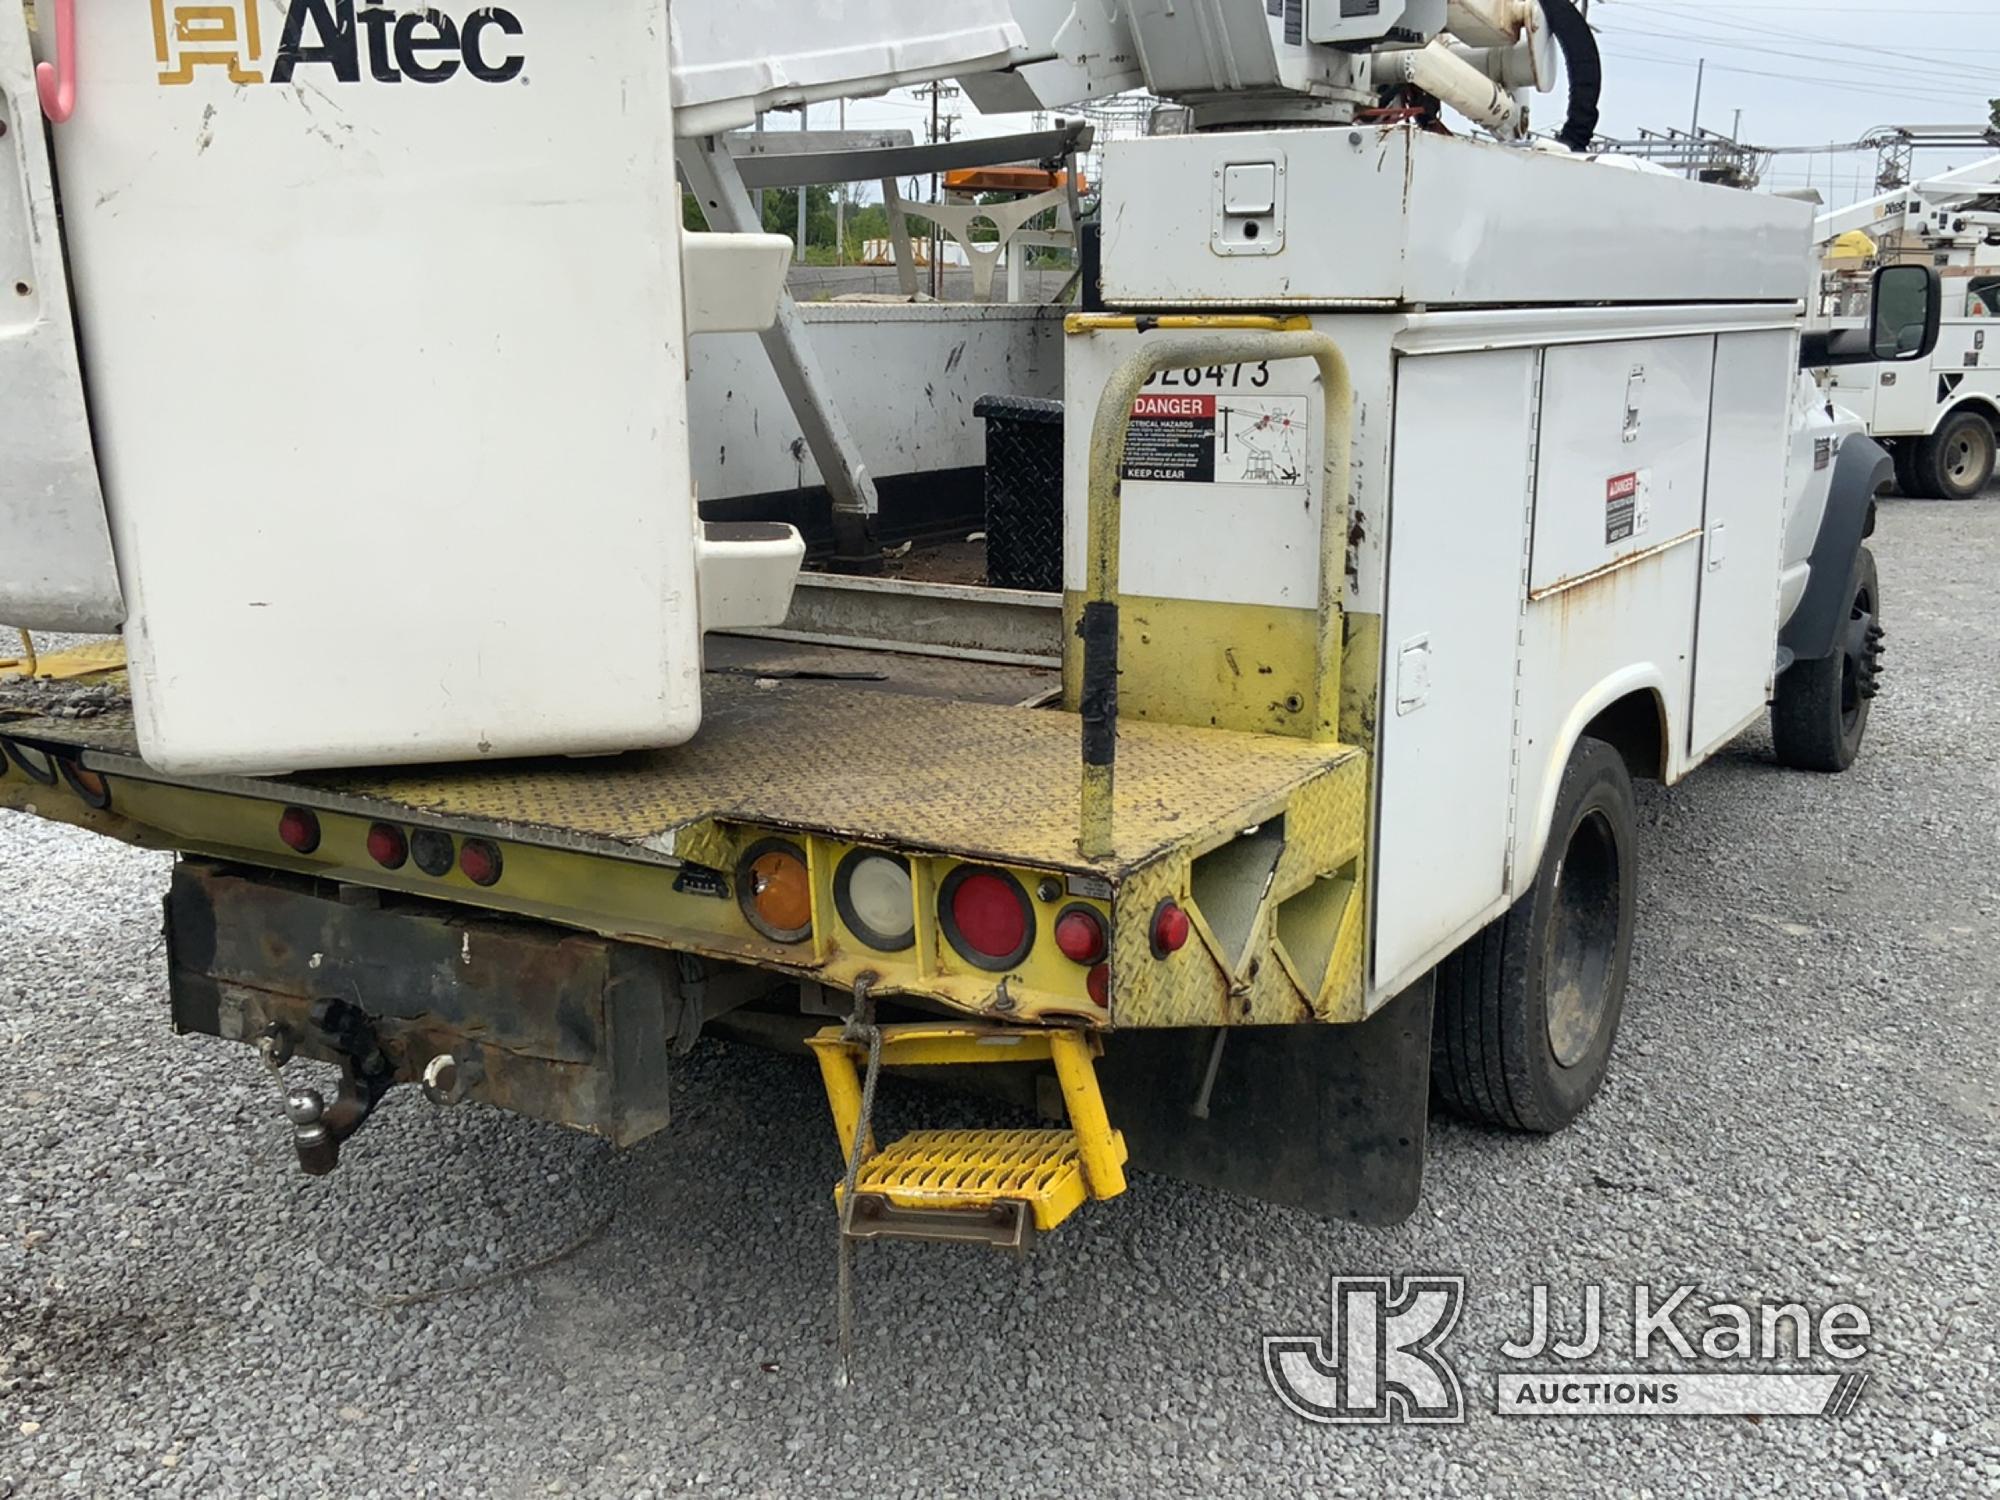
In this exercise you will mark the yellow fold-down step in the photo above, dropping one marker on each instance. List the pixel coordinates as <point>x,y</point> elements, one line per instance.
<point>997,1182</point>
<point>986,1186</point>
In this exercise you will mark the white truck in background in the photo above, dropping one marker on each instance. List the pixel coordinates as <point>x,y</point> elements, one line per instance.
<point>1938,420</point>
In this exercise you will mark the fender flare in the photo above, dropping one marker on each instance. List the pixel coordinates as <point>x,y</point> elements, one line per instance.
<point>1640,677</point>
<point>1862,469</point>
<point>1979,401</point>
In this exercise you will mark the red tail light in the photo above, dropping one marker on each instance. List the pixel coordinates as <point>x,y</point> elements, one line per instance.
<point>1099,985</point>
<point>387,847</point>
<point>480,861</point>
<point>987,917</point>
<point>1171,929</point>
<point>298,828</point>
<point>1080,935</point>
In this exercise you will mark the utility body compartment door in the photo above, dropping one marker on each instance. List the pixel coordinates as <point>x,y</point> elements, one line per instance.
<point>1458,531</point>
<point>1743,540</point>
<point>56,568</point>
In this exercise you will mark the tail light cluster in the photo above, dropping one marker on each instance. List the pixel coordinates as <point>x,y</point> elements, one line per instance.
<point>93,788</point>
<point>37,765</point>
<point>432,851</point>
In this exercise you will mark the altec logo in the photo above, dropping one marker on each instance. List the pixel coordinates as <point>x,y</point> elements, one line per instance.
<point>420,45</point>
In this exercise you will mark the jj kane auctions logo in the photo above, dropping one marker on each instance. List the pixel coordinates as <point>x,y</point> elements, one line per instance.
<point>375,42</point>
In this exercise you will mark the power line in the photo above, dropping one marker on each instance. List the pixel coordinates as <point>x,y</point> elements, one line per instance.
<point>1970,78</point>
<point>1802,78</point>
<point>1709,19</point>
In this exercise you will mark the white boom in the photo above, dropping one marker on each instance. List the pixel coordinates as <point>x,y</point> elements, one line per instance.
<point>1944,191</point>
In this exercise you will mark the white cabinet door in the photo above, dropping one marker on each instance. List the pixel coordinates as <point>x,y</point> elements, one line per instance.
<point>1737,634</point>
<point>1457,530</point>
<point>382,327</point>
<point>56,570</point>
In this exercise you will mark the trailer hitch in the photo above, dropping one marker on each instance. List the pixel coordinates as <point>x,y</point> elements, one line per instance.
<point>366,1074</point>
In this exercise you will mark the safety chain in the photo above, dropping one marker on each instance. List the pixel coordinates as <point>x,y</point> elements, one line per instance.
<point>861,1030</point>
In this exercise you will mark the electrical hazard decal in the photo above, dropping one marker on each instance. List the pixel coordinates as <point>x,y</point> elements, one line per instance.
<point>1196,437</point>
<point>1628,510</point>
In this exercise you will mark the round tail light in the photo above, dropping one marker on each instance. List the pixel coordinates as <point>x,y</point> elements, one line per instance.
<point>36,765</point>
<point>298,829</point>
<point>875,898</point>
<point>387,847</point>
<point>432,851</point>
<point>1080,935</point>
<point>1099,985</point>
<point>1171,929</point>
<point>480,861</point>
<point>87,784</point>
<point>987,917</point>
<point>774,890</point>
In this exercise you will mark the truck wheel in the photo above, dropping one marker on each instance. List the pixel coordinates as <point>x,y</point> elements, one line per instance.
<point>1527,1010</point>
<point>1820,713</point>
<point>1957,463</point>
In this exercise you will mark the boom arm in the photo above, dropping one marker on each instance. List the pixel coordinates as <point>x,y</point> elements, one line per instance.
<point>1945,190</point>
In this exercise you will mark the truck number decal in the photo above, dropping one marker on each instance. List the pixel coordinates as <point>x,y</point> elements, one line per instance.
<point>1222,377</point>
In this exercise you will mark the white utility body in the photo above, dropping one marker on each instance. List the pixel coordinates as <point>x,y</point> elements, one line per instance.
<point>1572,475</point>
<point>1938,421</point>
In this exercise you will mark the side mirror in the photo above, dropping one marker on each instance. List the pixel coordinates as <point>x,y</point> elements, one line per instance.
<point>1903,316</point>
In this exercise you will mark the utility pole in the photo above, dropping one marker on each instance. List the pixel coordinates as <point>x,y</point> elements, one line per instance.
<point>1736,130</point>
<point>1694,130</point>
<point>840,208</point>
<point>937,235</point>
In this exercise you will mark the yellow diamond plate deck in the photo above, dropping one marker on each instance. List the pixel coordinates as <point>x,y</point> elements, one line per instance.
<point>977,780</point>
<point>969,1169</point>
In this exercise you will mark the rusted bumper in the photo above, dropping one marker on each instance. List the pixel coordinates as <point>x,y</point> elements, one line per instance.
<point>556,1025</point>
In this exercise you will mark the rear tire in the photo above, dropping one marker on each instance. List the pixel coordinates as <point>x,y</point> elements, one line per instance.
<point>1957,463</point>
<point>1903,454</point>
<point>1819,716</point>
<point>1527,1011</point>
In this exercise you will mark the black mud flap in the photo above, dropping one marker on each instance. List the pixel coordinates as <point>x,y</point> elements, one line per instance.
<point>1326,1118</point>
<point>553,1024</point>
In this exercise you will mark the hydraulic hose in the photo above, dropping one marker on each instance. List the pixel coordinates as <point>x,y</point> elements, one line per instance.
<point>1585,67</point>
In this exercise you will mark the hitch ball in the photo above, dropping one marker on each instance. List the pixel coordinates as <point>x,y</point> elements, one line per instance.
<point>318,1152</point>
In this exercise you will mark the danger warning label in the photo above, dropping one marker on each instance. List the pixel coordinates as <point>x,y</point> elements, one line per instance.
<point>1172,439</point>
<point>1197,438</point>
<point>1626,511</point>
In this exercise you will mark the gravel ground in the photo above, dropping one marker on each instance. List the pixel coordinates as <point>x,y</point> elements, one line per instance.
<point>1804,1105</point>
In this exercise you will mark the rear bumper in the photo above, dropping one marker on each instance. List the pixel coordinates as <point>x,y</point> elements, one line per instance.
<point>559,1026</point>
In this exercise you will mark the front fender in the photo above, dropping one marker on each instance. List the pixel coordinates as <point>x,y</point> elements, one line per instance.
<point>1860,472</point>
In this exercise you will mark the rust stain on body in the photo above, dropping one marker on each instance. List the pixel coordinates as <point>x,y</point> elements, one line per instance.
<point>1611,569</point>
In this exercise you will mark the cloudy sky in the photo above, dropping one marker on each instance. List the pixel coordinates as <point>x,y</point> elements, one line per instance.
<point>1803,72</point>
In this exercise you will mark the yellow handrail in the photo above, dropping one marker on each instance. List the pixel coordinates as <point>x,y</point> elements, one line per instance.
<point>1222,339</point>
